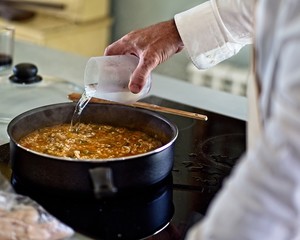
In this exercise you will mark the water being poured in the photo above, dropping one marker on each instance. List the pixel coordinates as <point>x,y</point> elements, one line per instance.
<point>81,104</point>
<point>110,76</point>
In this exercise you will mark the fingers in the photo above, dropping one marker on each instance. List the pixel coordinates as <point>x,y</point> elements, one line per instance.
<point>115,49</point>
<point>141,75</point>
<point>150,46</point>
<point>124,46</point>
<point>148,60</point>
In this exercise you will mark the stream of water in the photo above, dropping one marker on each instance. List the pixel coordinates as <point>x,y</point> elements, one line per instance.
<point>81,104</point>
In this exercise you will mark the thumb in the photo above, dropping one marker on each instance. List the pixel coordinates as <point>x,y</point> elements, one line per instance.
<point>139,77</point>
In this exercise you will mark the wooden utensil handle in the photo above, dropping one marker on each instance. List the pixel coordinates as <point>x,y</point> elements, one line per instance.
<point>76,96</point>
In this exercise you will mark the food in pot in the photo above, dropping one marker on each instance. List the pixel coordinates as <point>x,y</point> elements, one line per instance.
<point>89,141</point>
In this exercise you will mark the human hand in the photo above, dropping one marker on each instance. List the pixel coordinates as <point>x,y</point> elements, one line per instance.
<point>152,45</point>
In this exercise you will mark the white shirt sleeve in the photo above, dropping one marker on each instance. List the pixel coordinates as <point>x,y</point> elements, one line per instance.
<point>216,30</point>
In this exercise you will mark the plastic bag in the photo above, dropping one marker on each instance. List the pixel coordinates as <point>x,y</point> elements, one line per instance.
<point>22,218</point>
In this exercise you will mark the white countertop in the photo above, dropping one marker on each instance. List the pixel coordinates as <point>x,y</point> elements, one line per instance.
<point>71,67</point>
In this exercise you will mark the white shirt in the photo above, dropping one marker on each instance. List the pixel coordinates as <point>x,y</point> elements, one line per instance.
<point>261,198</point>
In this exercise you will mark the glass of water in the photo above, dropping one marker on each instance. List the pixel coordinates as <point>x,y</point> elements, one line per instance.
<point>6,48</point>
<point>107,77</point>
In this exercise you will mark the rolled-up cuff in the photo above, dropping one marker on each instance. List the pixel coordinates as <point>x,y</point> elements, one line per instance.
<point>204,39</point>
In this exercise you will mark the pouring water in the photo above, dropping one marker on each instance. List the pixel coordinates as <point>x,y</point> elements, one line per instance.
<point>107,77</point>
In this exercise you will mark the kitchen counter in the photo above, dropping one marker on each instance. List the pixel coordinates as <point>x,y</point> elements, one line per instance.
<point>71,67</point>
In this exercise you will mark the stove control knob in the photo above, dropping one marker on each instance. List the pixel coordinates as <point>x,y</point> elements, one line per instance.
<point>25,73</point>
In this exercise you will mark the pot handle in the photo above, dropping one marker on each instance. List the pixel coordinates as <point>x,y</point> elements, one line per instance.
<point>102,178</point>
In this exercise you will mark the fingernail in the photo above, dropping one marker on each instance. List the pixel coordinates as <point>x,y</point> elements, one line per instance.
<point>135,88</point>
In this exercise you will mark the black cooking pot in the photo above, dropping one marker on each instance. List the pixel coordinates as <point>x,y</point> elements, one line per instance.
<point>133,215</point>
<point>91,177</point>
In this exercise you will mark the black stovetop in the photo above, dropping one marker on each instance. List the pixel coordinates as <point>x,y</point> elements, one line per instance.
<point>205,152</point>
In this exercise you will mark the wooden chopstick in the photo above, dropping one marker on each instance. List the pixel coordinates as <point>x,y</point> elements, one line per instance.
<point>76,96</point>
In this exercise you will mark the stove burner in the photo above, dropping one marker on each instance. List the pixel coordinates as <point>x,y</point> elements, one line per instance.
<point>224,150</point>
<point>215,160</point>
<point>186,124</point>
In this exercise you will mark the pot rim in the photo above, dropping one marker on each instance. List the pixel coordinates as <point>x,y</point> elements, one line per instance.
<point>104,160</point>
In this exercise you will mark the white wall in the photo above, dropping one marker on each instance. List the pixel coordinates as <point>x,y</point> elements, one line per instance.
<point>132,14</point>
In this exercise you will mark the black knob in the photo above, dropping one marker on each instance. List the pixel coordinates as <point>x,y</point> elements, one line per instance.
<point>25,73</point>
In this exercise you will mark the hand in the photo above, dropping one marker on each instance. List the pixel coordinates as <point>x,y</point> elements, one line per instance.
<point>152,45</point>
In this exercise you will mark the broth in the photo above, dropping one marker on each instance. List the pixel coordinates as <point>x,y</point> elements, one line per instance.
<point>89,141</point>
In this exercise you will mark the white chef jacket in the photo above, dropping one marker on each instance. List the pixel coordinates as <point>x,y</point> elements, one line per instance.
<point>261,198</point>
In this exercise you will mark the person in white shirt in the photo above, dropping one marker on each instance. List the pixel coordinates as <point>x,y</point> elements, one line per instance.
<point>261,198</point>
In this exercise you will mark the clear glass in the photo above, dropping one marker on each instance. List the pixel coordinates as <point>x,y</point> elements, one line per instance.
<point>6,48</point>
<point>107,77</point>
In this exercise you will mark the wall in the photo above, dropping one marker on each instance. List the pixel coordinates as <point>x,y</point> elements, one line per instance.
<point>132,14</point>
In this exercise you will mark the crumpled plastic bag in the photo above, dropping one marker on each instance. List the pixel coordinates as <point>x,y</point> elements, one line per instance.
<point>21,218</point>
